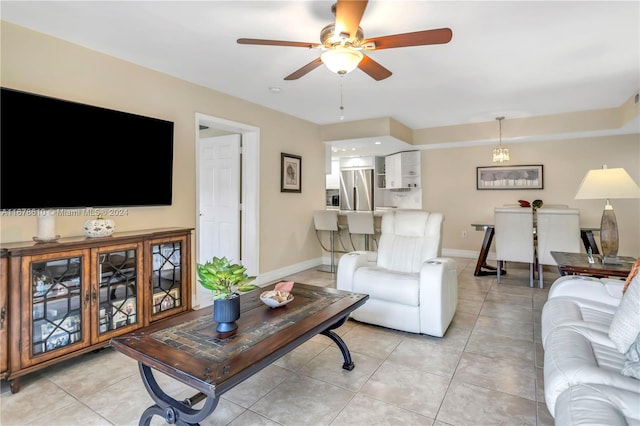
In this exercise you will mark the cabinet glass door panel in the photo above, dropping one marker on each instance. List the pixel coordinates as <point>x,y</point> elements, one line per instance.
<point>56,304</point>
<point>166,276</point>
<point>118,289</point>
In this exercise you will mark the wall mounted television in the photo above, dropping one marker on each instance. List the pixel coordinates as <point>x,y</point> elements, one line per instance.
<point>61,154</point>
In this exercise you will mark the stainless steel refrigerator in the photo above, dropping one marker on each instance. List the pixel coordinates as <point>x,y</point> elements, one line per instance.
<point>356,190</point>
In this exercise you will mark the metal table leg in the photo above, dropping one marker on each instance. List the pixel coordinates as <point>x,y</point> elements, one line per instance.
<point>172,410</point>
<point>348,363</point>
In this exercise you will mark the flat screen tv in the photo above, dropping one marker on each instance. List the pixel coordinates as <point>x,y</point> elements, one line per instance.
<point>61,154</point>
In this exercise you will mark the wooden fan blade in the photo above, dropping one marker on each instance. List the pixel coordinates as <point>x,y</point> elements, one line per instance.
<point>277,43</point>
<point>348,16</point>
<point>418,38</point>
<point>374,69</point>
<point>304,70</point>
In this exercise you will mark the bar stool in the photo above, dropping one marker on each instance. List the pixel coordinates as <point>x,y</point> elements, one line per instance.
<point>361,223</point>
<point>327,220</point>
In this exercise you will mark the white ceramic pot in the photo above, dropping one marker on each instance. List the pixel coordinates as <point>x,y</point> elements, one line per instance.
<point>99,227</point>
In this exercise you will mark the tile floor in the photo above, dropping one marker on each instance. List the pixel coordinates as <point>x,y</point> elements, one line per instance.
<point>486,370</point>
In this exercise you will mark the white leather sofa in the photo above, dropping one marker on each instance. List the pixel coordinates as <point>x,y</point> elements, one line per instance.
<point>586,329</point>
<point>586,404</point>
<point>410,287</point>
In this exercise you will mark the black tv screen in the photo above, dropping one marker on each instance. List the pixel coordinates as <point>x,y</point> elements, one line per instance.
<point>61,154</point>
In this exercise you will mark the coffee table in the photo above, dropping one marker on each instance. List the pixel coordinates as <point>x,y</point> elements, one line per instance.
<point>188,348</point>
<point>577,263</point>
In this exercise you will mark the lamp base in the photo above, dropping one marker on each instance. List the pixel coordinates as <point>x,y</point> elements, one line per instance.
<point>611,260</point>
<point>609,235</point>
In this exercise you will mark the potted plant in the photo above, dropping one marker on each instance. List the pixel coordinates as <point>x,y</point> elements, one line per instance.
<point>225,279</point>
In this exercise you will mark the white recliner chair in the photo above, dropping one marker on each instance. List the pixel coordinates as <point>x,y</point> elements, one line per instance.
<point>410,287</point>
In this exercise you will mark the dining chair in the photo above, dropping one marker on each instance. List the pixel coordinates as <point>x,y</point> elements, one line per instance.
<point>514,237</point>
<point>557,229</point>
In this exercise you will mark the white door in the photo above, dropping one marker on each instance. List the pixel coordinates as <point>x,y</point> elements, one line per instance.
<point>219,186</point>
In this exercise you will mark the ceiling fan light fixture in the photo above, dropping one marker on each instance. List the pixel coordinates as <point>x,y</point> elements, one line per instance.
<point>342,60</point>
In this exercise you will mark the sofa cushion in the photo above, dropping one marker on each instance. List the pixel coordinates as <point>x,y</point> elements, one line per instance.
<point>390,286</point>
<point>632,364</point>
<point>576,354</point>
<point>565,310</point>
<point>625,325</point>
<point>589,404</point>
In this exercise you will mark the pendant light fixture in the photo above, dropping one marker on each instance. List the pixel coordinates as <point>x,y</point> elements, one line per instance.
<point>500,153</point>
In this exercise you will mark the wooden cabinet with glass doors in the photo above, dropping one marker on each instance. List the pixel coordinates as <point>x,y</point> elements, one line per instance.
<point>72,296</point>
<point>4,336</point>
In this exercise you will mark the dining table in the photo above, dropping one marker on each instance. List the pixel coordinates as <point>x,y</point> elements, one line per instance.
<point>482,268</point>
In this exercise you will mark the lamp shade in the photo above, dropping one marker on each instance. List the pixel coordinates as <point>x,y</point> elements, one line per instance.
<point>607,184</point>
<point>342,60</point>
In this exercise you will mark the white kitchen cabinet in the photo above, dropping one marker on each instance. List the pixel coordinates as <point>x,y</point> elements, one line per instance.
<point>351,163</point>
<point>403,170</point>
<point>333,179</point>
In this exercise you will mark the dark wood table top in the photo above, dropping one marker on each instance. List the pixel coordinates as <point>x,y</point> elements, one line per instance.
<point>189,349</point>
<point>578,263</point>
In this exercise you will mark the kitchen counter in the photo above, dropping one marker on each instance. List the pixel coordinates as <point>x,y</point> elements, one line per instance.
<point>377,212</point>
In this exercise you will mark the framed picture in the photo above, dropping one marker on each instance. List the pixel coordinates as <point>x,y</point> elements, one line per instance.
<point>290,173</point>
<point>166,300</point>
<point>510,177</point>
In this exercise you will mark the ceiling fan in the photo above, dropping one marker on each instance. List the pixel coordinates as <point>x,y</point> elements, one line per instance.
<point>343,43</point>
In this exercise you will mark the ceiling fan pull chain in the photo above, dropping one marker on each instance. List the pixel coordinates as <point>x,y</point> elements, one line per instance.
<point>341,103</point>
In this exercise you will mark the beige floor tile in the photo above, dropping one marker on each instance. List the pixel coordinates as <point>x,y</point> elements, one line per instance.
<point>407,388</point>
<point>473,294</point>
<point>225,412</point>
<point>366,411</point>
<point>540,384</point>
<point>513,376</point>
<point>76,414</point>
<point>463,320</point>
<point>377,342</point>
<point>301,400</point>
<point>455,337</point>
<point>544,417</point>
<point>482,284</point>
<point>300,356</point>
<point>122,403</point>
<point>34,401</point>
<point>104,367</point>
<point>539,352</point>
<point>503,327</point>
<point>507,312</point>
<point>500,347</point>
<point>465,404</point>
<point>469,306</point>
<point>509,299</point>
<point>257,386</point>
<point>424,356</point>
<point>249,418</point>
<point>327,367</point>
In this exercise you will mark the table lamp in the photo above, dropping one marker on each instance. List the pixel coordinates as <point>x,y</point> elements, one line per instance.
<point>608,184</point>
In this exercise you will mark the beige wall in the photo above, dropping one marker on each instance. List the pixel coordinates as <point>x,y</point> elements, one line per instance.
<point>41,64</point>
<point>449,185</point>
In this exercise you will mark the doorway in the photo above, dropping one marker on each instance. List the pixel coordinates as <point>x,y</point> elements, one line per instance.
<point>227,195</point>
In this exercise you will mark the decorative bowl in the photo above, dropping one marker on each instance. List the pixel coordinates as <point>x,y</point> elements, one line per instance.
<point>99,227</point>
<point>275,299</point>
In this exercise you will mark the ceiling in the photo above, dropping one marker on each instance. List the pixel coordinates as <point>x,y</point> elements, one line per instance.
<point>514,58</point>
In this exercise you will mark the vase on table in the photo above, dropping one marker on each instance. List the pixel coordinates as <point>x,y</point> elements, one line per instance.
<point>226,312</point>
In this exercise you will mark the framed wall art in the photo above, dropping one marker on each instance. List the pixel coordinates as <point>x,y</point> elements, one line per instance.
<point>510,177</point>
<point>290,173</point>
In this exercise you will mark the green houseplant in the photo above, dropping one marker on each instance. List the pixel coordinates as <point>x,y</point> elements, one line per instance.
<point>225,279</point>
